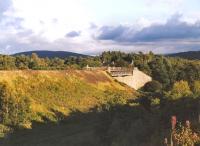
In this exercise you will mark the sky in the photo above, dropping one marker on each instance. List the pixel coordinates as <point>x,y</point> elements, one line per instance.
<point>93,26</point>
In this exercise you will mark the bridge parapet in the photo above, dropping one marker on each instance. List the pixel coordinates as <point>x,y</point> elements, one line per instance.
<point>120,71</point>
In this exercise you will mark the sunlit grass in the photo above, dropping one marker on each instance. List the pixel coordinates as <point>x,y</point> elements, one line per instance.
<point>65,91</point>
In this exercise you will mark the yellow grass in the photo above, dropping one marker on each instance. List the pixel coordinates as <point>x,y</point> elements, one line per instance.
<point>63,91</point>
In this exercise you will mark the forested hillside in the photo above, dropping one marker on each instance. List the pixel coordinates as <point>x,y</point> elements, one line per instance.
<point>193,55</point>
<point>51,54</point>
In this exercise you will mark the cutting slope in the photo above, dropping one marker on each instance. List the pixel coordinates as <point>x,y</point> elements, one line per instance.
<point>52,92</point>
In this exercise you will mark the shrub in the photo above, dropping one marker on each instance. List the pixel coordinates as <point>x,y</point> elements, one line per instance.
<point>180,89</point>
<point>3,130</point>
<point>153,86</point>
<point>14,108</point>
<point>182,135</point>
<point>196,87</point>
<point>185,136</point>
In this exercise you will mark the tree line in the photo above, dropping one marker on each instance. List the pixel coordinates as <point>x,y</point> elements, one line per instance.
<point>166,70</point>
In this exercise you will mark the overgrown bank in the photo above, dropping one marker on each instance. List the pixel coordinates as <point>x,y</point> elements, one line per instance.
<point>27,96</point>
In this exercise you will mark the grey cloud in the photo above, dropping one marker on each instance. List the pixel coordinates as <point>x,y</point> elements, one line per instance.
<point>112,33</point>
<point>93,26</point>
<point>41,22</point>
<point>157,38</point>
<point>167,32</point>
<point>173,29</point>
<point>8,21</point>
<point>55,20</point>
<point>4,5</point>
<point>27,41</point>
<point>73,34</point>
<point>25,33</point>
<point>13,22</point>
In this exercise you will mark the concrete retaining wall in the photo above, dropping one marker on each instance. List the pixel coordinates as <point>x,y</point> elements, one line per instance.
<point>136,81</point>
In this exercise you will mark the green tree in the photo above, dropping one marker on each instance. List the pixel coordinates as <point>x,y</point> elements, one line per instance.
<point>7,62</point>
<point>34,63</point>
<point>196,87</point>
<point>22,62</point>
<point>160,71</point>
<point>153,86</point>
<point>57,63</point>
<point>180,89</point>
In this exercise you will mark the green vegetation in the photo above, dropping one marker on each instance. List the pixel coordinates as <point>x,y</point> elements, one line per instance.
<point>27,96</point>
<point>14,107</point>
<point>36,63</point>
<point>54,101</point>
<point>121,124</point>
<point>153,86</point>
<point>180,89</point>
<point>183,135</point>
<point>165,70</point>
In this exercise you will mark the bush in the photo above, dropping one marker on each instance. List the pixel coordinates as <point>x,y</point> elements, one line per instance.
<point>196,88</point>
<point>182,135</point>
<point>3,130</point>
<point>153,86</point>
<point>180,89</point>
<point>14,108</point>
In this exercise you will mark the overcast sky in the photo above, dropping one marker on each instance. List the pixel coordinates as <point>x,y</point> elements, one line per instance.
<point>92,26</point>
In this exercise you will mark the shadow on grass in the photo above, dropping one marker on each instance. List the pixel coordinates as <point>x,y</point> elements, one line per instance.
<point>116,125</point>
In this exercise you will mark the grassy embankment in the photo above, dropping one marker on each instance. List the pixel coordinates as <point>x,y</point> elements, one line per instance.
<point>52,92</point>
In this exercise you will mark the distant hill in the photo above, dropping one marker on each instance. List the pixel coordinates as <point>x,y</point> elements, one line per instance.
<point>51,54</point>
<point>186,55</point>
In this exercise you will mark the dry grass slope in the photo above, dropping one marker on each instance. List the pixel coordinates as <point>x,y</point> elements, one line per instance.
<point>65,91</point>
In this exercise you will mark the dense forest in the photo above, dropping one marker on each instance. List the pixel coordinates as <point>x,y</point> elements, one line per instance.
<point>50,54</point>
<point>174,90</point>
